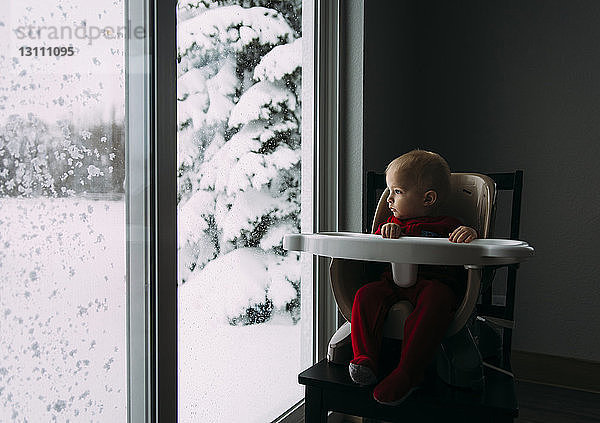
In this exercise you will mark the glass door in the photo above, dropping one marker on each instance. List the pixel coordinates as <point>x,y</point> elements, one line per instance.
<point>244,304</point>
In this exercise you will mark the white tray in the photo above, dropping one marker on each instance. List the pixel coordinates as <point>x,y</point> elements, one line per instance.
<point>410,249</point>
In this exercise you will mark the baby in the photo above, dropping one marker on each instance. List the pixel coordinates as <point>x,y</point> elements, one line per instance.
<point>419,182</point>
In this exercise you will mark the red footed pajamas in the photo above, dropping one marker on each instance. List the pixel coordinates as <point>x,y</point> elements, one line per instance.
<point>434,303</point>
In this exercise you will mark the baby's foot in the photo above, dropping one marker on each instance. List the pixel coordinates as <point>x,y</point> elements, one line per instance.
<point>394,389</point>
<point>361,371</point>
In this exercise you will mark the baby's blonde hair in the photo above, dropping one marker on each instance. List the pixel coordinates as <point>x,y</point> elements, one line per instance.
<point>425,170</point>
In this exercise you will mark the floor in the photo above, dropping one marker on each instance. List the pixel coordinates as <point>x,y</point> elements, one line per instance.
<point>550,404</point>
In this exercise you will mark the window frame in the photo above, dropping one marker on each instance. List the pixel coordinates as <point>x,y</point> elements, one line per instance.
<point>151,181</point>
<point>163,211</point>
<point>137,206</point>
<point>327,153</point>
<point>151,212</point>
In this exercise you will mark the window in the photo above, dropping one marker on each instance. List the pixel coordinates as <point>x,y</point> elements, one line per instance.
<point>74,227</point>
<point>63,255</point>
<point>245,312</point>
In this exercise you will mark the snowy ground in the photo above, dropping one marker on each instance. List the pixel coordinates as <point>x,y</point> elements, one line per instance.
<point>62,327</point>
<point>234,373</point>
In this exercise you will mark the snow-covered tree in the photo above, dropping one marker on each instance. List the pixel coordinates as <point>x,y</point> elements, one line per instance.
<point>239,151</point>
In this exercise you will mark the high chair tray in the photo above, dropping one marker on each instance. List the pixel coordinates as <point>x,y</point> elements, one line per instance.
<point>416,250</point>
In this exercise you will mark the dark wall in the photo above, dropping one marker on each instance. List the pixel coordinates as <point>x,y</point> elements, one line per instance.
<point>496,86</point>
<point>389,83</point>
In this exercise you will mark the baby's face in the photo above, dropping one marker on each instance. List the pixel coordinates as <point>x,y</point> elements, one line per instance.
<point>405,200</point>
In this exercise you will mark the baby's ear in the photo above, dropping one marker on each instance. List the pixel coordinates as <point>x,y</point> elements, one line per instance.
<point>430,198</point>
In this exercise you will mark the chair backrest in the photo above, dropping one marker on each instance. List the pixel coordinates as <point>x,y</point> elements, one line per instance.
<point>513,183</point>
<point>472,200</point>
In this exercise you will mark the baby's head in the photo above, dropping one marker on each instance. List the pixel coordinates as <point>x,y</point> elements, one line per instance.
<point>419,182</point>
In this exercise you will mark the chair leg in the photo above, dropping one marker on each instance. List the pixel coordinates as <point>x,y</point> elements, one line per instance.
<point>314,412</point>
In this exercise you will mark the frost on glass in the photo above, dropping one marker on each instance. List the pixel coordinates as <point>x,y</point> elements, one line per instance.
<point>239,150</point>
<point>62,216</point>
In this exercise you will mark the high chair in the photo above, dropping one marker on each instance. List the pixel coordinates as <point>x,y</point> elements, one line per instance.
<point>472,201</point>
<point>459,363</point>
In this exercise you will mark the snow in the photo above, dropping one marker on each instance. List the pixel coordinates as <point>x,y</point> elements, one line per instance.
<point>221,88</point>
<point>282,270</point>
<point>63,310</point>
<point>276,124</point>
<point>94,171</point>
<point>215,31</point>
<point>76,87</point>
<point>259,102</point>
<point>275,233</point>
<point>282,158</point>
<point>238,138</point>
<point>191,86</point>
<point>237,166</point>
<point>282,60</point>
<point>234,281</point>
<point>205,96</point>
<point>247,172</point>
<point>195,245</point>
<point>264,358</point>
<point>190,214</point>
<point>216,171</point>
<point>187,9</point>
<point>194,253</point>
<point>246,209</point>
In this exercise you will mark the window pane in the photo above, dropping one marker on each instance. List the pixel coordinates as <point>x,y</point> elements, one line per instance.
<point>62,212</point>
<point>243,320</point>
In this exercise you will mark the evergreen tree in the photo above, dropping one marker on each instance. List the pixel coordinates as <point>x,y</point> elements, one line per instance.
<point>239,148</point>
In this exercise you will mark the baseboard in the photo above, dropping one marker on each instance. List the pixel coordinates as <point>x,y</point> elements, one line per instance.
<point>558,371</point>
<point>343,418</point>
<point>293,415</point>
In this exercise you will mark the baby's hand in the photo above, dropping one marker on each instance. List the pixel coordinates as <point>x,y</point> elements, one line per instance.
<point>391,230</point>
<point>463,234</point>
